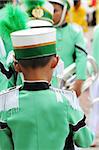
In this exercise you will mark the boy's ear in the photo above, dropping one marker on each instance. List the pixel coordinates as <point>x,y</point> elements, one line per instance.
<point>17,67</point>
<point>55,62</point>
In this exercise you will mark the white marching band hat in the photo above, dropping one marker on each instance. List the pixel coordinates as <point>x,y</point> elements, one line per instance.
<point>66,7</point>
<point>37,23</point>
<point>39,10</point>
<point>32,43</point>
<point>57,1</point>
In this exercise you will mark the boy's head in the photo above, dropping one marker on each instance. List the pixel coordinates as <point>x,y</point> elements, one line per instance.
<point>35,51</point>
<point>77,3</point>
<point>60,10</point>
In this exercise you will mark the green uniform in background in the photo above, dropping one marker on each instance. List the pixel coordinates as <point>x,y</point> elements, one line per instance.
<point>3,79</point>
<point>95,45</point>
<point>12,18</point>
<point>16,78</point>
<point>71,48</point>
<point>43,119</point>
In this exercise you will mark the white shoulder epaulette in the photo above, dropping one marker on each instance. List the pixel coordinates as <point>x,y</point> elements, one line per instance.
<point>76,27</point>
<point>58,93</point>
<point>73,100</point>
<point>9,98</point>
<point>69,95</point>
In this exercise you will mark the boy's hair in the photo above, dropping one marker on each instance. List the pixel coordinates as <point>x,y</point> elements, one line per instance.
<point>76,2</point>
<point>35,62</point>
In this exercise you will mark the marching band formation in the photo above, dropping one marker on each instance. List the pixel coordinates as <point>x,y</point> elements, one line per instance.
<point>44,68</point>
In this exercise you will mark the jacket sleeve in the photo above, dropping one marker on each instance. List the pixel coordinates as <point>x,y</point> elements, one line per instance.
<point>6,142</point>
<point>81,55</point>
<point>95,44</point>
<point>82,135</point>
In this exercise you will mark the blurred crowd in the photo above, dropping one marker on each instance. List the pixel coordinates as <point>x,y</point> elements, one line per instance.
<point>86,13</point>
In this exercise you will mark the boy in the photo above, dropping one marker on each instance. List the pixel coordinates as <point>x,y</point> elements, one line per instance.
<point>40,117</point>
<point>71,46</point>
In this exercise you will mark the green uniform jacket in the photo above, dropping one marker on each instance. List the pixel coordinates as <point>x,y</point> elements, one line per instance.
<point>12,18</point>
<point>96,45</point>
<point>43,120</point>
<point>3,79</point>
<point>70,42</point>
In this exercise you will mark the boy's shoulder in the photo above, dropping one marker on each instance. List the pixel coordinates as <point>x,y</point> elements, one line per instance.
<point>67,96</point>
<point>9,98</point>
<point>75,27</point>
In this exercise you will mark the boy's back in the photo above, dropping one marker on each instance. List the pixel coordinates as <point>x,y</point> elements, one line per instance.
<point>40,121</point>
<point>44,118</point>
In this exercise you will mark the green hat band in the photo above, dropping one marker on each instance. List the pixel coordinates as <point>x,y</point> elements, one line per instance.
<point>34,52</point>
<point>47,15</point>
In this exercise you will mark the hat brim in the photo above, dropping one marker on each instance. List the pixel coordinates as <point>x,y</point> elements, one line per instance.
<point>39,23</point>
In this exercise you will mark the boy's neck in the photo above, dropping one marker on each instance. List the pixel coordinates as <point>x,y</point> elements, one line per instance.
<point>36,75</point>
